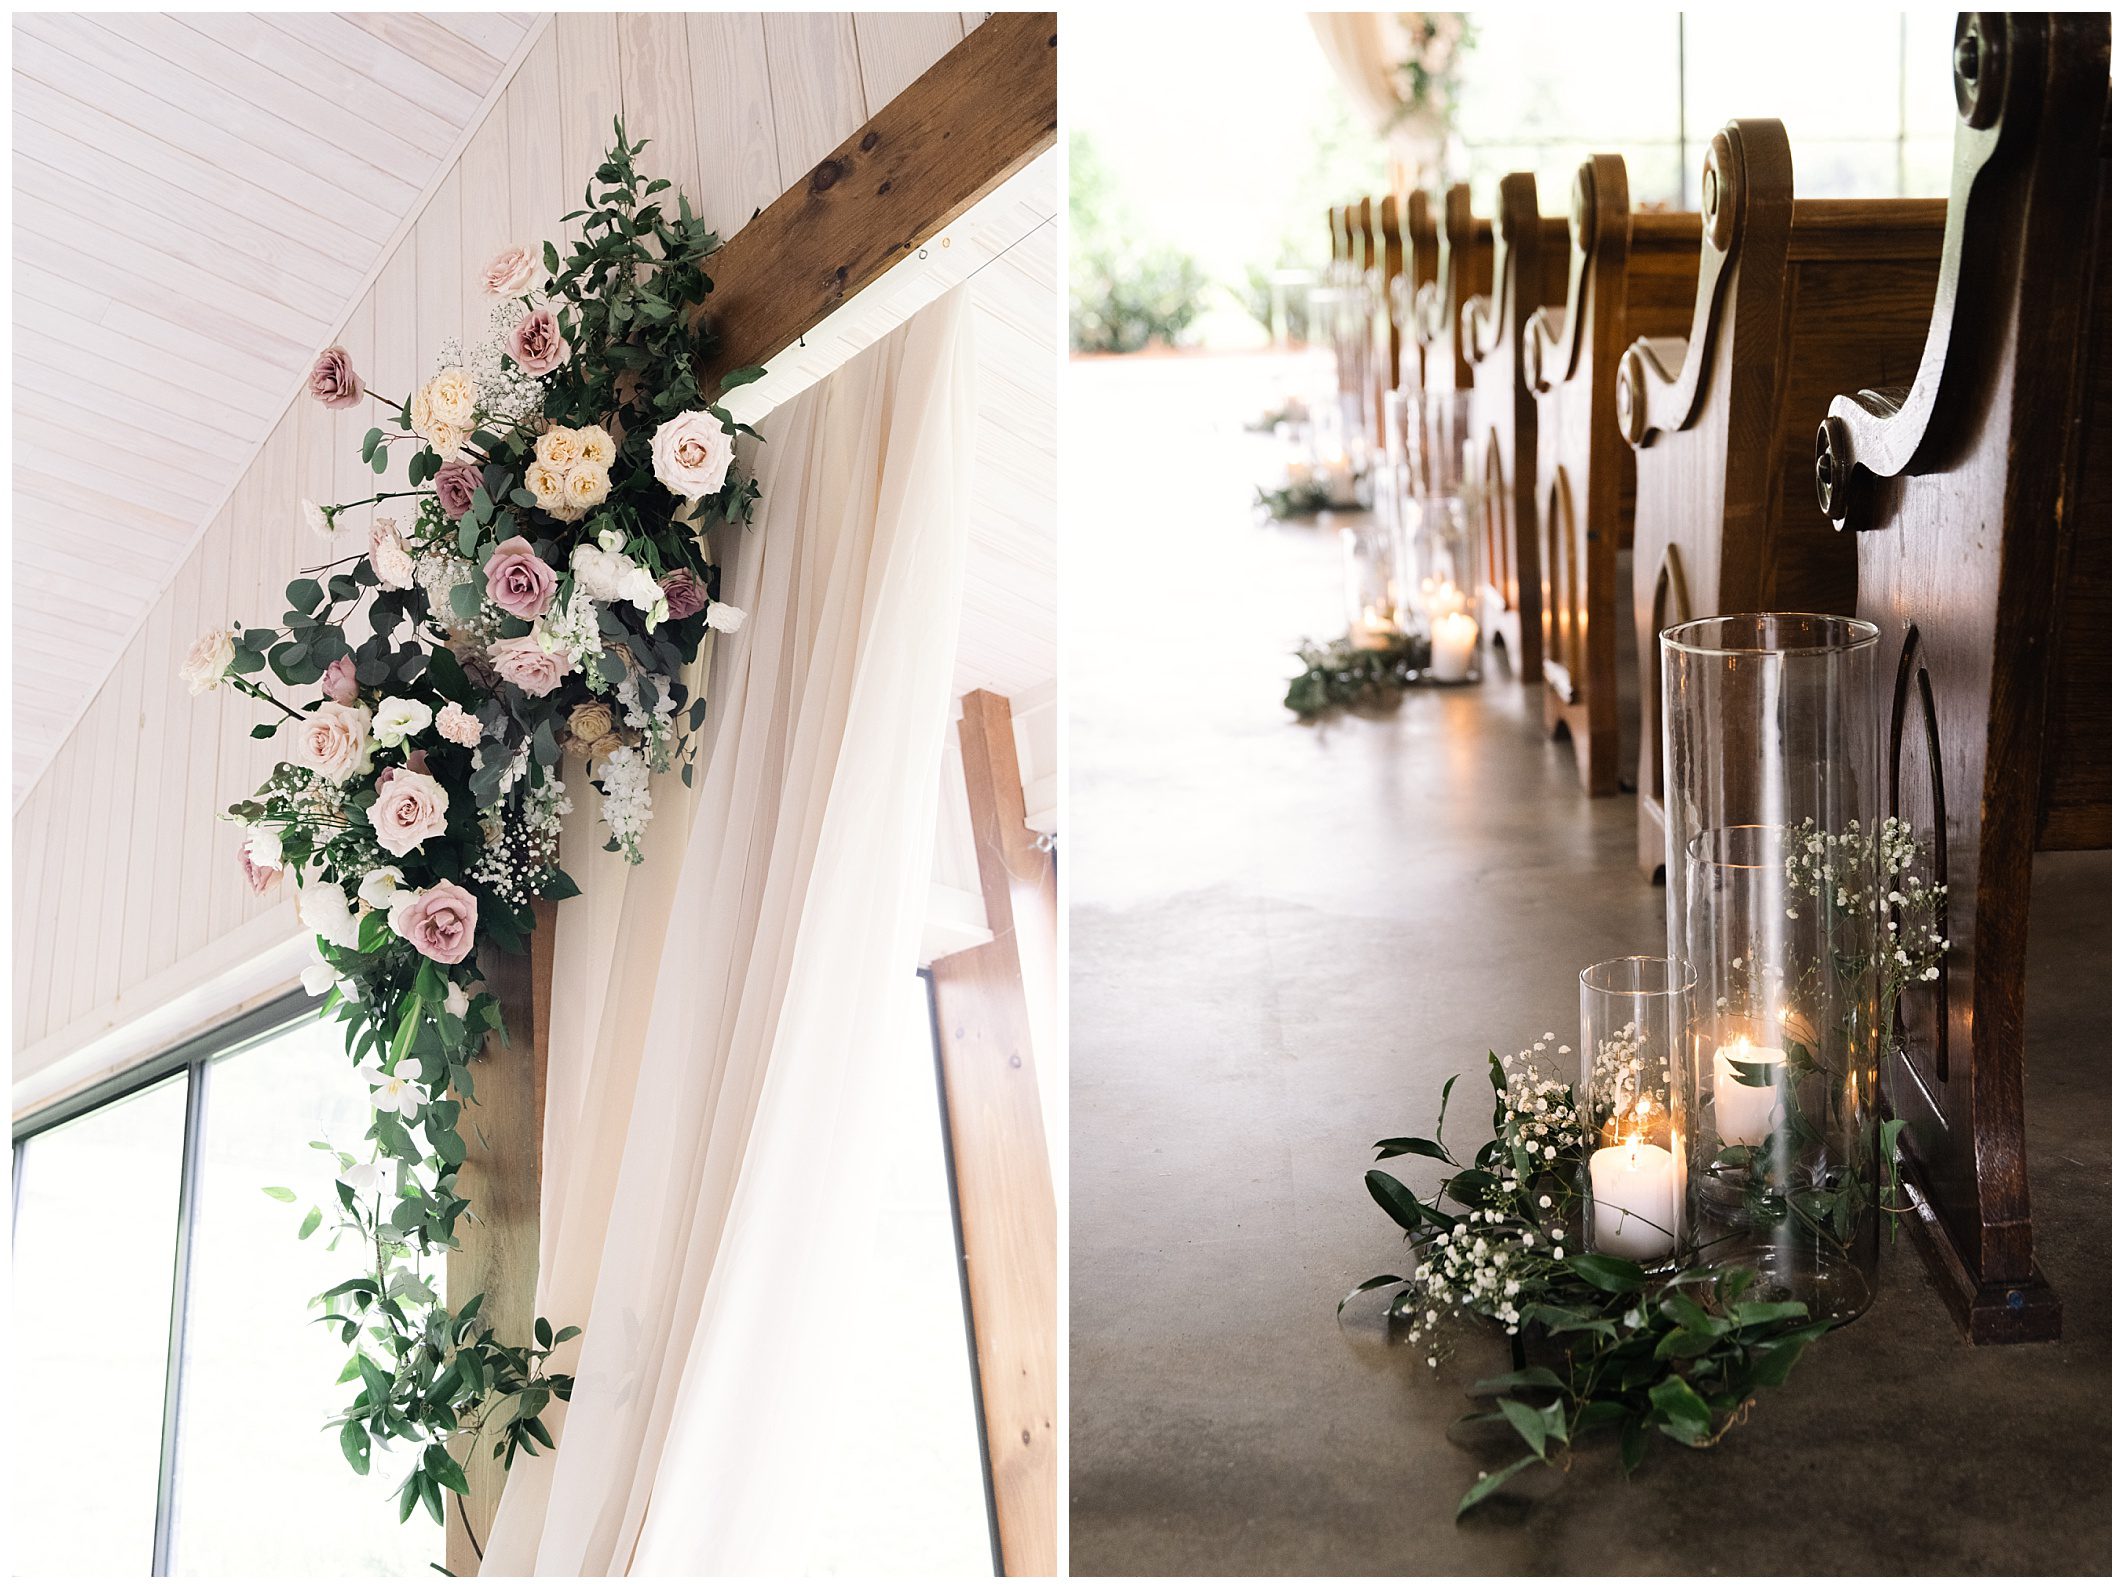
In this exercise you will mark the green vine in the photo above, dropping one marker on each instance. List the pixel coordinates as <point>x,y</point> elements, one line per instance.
<point>1340,673</point>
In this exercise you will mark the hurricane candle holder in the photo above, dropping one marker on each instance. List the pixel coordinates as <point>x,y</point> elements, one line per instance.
<point>1774,898</point>
<point>1441,595</point>
<point>1369,588</point>
<point>1632,1027</point>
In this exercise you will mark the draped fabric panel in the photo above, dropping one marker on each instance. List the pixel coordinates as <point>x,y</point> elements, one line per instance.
<point>721,1012</point>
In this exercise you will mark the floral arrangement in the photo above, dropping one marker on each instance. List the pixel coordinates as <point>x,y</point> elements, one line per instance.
<point>525,606</point>
<point>1681,1353</point>
<point>1342,673</point>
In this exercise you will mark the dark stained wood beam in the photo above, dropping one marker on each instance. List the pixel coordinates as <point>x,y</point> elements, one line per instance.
<point>975,118</point>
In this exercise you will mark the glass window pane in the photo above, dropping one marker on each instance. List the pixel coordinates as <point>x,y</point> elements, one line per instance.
<point>261,1485</point>
<point>923,1508</point>
<point>1745,61</point>
<point>1586,77</point>
<point>95,1249</point>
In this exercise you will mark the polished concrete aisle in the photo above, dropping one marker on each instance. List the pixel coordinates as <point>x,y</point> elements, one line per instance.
<point>1283,939</point>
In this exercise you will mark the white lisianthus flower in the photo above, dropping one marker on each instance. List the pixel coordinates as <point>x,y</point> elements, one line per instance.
<point>316,519</point>
<point>264,846</point>
<point>612,576</point>
<point>366,1180</point>
<point>724,618</point>
<point>323,909</point>
<point>611,540</point>
<point>456,1001</point>
<point>318,978</point>
<point>380,889</point>
<point>398,720</point>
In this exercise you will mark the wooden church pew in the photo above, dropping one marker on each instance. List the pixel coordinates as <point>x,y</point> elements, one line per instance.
<point>1981,498</point>
<point>1419,265</point>
<point>1796,300</point>
<point>1630,275</point>
<point>1463,266</point>
<point>1341,275</point>
<point>1531,253</point>
<point>1369,306</point>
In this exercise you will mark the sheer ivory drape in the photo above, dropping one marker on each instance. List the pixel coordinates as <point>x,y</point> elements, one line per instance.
<point>720,1009</point>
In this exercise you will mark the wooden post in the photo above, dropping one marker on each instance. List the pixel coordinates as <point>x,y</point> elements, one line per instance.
<point>992,1101</point>
<point>498,1241</point>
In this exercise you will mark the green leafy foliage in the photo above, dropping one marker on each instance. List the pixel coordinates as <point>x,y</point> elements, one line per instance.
<point>1339,673</point>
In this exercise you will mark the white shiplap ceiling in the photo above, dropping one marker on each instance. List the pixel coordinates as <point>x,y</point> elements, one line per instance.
<point>198,200</point>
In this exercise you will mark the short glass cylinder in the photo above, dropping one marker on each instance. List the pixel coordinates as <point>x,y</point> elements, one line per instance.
<point>1440,580</point>
<point>1774,898</point>
<point>1632,1025</point>
<point>1370,590</point>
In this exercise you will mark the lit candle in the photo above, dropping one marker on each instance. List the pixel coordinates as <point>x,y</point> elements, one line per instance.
<point>1375,631</point>
<point>1452,647</point>
<point>1633,1199</point>
<point>1746,1111</point>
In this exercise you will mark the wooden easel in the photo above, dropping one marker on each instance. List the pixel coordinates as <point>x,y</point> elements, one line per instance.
<point>1796,300</point>
<point>1630,275</point>
<point>1532,253</point>
<point>1981,493</point>
<point>981,113</point>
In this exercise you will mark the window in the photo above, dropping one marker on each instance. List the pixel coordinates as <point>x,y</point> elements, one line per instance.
<point>190,1440</point>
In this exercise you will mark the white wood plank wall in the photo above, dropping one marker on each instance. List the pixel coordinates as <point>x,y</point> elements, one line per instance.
<point>127,889</point>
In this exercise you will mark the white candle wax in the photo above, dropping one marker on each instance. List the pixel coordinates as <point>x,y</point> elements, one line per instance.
<point>1375,631</point>
<point>1746,1113</point>
<point>1452,647</point>
<point>1633,1200</point>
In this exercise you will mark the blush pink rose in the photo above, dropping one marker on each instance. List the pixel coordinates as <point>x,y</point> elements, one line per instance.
<point>684,594</point>
<point>458,726</point>
<point>537,343</point>
<point>261,877</point>
<point>333,381</point>
<point>338,681</point>
<point>528,665</point>
<point>691,454</point>
<point>439,922</point>
<point>455,483</point>
<point>334,742</point>
<point>509,274</point>
<point>410,809</point>
<point>519,581</point>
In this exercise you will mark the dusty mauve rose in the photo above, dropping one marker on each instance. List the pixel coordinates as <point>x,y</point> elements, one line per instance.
<point>389,556</point>
<point>207,661</point>
<point>411,808</point>
<point>537,343</point>
<point>519,581</point>
<point>338,681</point>
<point>454,485</point>
<point>691,454</point>
<point>509,274</point>
<point>439,922</point>
<point>458,726</point>
<point>529,666</point>
<point>684,594</point>
<point>333,381</point>
<point>334,742</point>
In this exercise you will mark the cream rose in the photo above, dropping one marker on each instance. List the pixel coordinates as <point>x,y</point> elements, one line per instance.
<point>557,448</point>
<point>411,808</point>
<point>595,446</point>
<point>586,486</point>
<point>691,454</point>
<point>334,742</point>
<point>207,663</point>
<point>509,274</point>
<point>451,396</point>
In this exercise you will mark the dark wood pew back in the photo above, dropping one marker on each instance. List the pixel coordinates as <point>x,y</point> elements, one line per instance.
<point>1463,265</point>
<point>1980,498</point>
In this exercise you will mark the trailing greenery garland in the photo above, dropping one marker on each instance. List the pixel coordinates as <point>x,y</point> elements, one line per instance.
<point>536,609</point>
<point>1340,673</point>
<point>1299,500</point>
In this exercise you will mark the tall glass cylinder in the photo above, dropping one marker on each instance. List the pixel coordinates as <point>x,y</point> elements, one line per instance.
<point>1775,900</point>
<point>1632,1030</point>
<point>1442,591</point>
<point>1369,587</point>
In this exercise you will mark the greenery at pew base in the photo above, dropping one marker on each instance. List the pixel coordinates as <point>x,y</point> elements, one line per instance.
<point>1596,1342</point>
<point>1340,673</point>
<point>1301,499</point>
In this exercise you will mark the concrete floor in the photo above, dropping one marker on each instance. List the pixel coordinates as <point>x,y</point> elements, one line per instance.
<point>1282,940</point>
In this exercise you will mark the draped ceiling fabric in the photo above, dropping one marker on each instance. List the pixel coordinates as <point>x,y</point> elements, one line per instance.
<point>1369,51</point>
<point>722,1010</point>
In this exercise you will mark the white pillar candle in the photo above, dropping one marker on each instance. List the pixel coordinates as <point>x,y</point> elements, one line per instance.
<point>1744,1112</point>
<point>1633,1200</point>
<point>1452,647</point>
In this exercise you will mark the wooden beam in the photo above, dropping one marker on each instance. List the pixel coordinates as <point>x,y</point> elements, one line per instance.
<point>975,118</point>
<point>992,1104</point>
<point>504,1133</point>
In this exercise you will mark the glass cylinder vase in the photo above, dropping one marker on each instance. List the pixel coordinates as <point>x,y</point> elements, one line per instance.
<point>1441,583</point>
<point>1632,1029</point>
<point>1774,899</point>
<point>1370,590</point>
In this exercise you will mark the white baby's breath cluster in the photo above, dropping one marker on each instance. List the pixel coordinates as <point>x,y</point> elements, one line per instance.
<point>624,778</point>
<point>517,855</point>
<point>1622,1074</point>
<point>1856,871</point>
<point>1538,1111</point>
<point>508,393</point>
